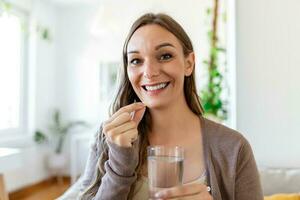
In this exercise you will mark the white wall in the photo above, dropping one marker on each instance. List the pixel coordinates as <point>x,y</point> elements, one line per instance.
<point>268,79</point>
<point>77,63</point>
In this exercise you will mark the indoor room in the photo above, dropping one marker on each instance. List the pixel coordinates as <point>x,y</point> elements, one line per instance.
<point>66,70</point>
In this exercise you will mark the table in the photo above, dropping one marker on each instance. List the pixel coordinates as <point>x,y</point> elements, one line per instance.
<point>9,159</point>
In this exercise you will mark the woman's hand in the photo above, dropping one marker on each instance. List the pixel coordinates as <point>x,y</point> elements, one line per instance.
<point>185,192</point>
<point>121,128</point>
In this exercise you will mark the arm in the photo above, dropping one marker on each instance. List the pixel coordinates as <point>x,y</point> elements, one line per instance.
<point>247,182</point>
<point>120,167</point>
<point>120,172</point>
<point>116,182</point>
<point>123,152</point>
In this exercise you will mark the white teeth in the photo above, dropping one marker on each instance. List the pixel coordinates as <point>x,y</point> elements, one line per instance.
<point>155,87</point>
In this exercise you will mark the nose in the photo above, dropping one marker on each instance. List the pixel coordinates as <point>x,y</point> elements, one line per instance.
<point>151,69</point>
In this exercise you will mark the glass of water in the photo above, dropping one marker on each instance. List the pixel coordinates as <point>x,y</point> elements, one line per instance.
<point>165,168</point>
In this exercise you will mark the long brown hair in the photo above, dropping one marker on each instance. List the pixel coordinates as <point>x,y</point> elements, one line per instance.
<point>126,96</point>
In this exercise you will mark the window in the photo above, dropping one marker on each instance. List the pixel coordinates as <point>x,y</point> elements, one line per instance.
<point>12,71</point>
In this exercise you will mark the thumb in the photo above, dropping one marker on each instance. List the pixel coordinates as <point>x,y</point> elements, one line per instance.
<point>138,115</point>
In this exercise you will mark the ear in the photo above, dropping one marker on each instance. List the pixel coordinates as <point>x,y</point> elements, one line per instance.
<point>189,64</point>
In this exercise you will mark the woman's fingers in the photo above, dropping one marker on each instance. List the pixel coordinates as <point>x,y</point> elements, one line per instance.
<point>121,119</point>
<point>199,196</point>
<point>126,138</point>
<point>122,128</point>
<point>128,109</point>
<point>190,190</point>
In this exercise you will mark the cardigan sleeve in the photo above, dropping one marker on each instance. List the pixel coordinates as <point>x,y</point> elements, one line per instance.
<point>120,170</point>
<point>247,181</point>
<point>119,175</point>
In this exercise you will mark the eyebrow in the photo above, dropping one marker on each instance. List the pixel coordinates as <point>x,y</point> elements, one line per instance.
<point>166,44</point>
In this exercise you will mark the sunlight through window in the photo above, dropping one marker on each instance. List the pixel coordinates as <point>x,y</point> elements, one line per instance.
<point>10,70</point>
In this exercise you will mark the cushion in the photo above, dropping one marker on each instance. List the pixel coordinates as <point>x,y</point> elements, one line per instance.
<point>283,197</point>
<point>280,180</point>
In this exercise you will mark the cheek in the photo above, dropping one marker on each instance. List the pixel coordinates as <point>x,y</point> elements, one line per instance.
<point>177,72</point>
<point>132,76</point>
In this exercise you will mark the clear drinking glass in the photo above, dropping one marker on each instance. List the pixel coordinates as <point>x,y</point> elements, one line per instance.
<point>165,168</point>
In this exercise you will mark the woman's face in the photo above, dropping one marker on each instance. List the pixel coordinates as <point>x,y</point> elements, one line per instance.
<point>157,66</point>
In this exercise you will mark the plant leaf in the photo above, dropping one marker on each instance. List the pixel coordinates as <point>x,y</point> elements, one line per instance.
<point>40,137</point>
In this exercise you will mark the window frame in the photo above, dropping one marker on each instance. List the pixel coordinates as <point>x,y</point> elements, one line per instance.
<point>22,130</point>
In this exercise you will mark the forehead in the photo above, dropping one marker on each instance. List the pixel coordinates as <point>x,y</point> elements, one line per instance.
<point>150,36</point>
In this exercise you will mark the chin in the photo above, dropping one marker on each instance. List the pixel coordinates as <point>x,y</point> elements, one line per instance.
<point>155,105</point>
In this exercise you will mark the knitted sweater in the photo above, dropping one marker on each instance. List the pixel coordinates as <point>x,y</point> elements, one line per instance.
<point>230,165</point>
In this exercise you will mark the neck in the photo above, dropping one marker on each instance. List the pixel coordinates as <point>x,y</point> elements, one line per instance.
<point>171,123</point>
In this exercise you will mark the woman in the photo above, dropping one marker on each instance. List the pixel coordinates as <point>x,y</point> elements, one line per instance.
<point>157,104</point>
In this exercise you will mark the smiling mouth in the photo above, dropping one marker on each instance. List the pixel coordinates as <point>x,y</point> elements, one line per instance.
<point>155,87</point>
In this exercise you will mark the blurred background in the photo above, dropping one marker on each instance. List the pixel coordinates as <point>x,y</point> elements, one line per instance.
<point>59,61</point>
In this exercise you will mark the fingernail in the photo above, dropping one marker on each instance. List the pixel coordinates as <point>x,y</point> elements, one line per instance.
<point>132,114</point>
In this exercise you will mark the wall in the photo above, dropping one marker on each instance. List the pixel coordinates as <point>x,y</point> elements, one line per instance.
<point>268,79</point>
<point>77,63</point>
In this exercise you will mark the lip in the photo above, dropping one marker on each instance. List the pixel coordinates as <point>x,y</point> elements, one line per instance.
<point>154,92</point>
<point>152,84</point>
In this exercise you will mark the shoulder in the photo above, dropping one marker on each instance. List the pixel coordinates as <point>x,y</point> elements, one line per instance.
<point>222,139</point>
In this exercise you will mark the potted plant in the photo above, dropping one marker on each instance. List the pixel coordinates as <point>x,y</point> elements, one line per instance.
<point>57,160</point>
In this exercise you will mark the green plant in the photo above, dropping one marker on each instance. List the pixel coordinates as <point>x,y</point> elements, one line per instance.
<point>44,33</point>
<point>211,94</point>
<point>59,131</point>
<point>40,137</point>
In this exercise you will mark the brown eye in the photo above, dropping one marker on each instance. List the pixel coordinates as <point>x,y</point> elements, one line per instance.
<point>166,56</point>
<point>135,61</point>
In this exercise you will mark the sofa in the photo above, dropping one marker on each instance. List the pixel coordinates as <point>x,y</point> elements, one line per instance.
<point>280,180</point>
<point>277,184</point>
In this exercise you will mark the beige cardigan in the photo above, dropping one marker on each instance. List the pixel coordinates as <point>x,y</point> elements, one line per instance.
<point>230,165</point>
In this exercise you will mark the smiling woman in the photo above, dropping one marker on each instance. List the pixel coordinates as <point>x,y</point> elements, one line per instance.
<point>157,104</point>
